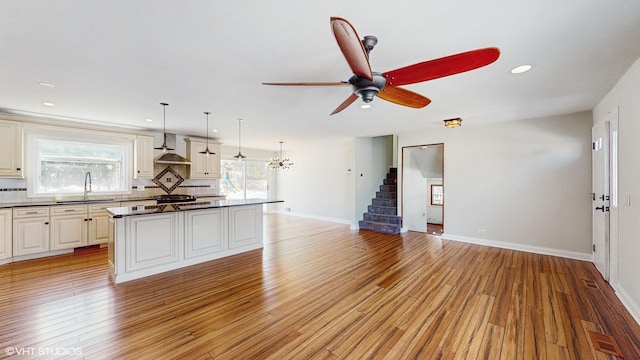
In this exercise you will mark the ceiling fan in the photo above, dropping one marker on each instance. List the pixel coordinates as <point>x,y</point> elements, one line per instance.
<point>367,84</point>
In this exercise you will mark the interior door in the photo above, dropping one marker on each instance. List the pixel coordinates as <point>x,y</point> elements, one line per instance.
<point>414,194</point>
<point>600,210</point>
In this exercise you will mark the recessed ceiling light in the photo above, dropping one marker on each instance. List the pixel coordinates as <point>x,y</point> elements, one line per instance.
<point>46,84</point>
<point>148,120</point>
<point>520,69</point>
<point>365,106</point>
<point>214,130</point>
<point>47,103</point>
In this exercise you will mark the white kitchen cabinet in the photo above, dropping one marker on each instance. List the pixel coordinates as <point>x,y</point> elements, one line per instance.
<point>205,232</point>
<point>99,223</point>
<point>11,149</point>
<point>30,230</point>
<point>245,226</point>
<point>144,157</point>
<point>6,235</point>
<point>69,227</point>
<point>203,166</point>
<point>152,240</point>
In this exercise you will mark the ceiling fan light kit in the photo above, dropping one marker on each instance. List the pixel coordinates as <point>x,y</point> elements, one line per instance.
<point>367,85</point>
<point>453,123</point>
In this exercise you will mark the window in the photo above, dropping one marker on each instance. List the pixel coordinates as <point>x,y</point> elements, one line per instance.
<point>58,165</point>
<point>246,179</point>
<point>437,195</point>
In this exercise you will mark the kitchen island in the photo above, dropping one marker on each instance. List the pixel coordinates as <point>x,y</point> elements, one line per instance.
<point>148,240</point>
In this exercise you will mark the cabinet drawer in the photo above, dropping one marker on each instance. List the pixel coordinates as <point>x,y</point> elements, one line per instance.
<point>97,208</point>
<point>65,210</point>
<point>30,212</point>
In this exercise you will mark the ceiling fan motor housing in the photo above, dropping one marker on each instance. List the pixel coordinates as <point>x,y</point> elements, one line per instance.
<point>367,89</point>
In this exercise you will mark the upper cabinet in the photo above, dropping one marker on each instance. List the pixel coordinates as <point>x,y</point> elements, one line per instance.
<point>144,157</point>
<point>11,149</point>
<point>203,166</point>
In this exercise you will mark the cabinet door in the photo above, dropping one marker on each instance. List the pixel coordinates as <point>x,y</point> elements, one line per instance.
<point>245,226</point>
<point>203,166</point>
<point>98,228</point>
<point>213,163</point>
<point>68,231</point>
<point>151,241</point>
<point>144,157</point>
<point>30,235</point>
<point>6,234</point>
<point>99,223</point>
<point>11,149</point>
<point>204,232</point>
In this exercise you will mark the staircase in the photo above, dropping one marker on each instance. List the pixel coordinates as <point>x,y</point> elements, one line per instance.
<point>382,213</point>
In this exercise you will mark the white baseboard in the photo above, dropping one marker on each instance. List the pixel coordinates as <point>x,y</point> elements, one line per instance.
<point>627,301</point>
<point>520,247</point>
<point>315,217</point>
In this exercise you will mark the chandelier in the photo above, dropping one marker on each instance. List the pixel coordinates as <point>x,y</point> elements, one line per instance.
<point>280,162</point>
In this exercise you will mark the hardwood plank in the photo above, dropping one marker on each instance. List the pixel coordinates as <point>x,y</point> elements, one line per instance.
<point>319,290</point>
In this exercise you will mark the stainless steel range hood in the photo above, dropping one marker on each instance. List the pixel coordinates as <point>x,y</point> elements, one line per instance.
<point>171,158</point>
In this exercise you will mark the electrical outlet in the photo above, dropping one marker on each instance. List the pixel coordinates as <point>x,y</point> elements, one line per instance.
<point>482,232</point>
<point>287,209</point>
<point>140,187</point>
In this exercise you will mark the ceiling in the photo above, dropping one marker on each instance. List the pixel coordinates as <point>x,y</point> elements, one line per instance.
<point>114,62</point>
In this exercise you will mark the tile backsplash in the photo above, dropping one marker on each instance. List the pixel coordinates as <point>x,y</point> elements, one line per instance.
<point>15,190</point>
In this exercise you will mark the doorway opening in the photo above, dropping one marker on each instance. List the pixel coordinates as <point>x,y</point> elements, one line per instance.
<point>423,188</point>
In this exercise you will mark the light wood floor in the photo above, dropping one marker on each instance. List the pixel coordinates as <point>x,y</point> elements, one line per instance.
<point>319,290</point>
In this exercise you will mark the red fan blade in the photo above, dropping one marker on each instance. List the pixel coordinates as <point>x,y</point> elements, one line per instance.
<point>349,101</point>
<point>404,97</point>
<point>445,66</point>
<point>351,47</point>
<point>336,83</point>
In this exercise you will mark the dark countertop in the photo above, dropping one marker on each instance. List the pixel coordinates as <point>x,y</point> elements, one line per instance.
<point>83,202</point>
<point>165,208</point>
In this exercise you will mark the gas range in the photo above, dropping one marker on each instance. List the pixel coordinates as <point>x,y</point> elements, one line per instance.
<point>169,198</point>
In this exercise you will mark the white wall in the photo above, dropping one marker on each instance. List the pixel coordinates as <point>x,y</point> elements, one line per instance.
<point>525,183</point>
<point>626,97</point>
<point>320,184</point>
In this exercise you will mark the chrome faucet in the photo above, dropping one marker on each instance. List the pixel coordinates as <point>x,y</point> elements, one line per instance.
<point>86,191</point>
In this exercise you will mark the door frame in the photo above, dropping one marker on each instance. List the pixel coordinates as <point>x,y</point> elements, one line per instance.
<point>424,188</point>
<point>611,200</point>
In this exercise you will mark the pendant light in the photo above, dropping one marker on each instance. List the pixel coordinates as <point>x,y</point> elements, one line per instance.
<point>164,146</point>
<point>206,151</point>
<point>239,156</point>
<point>280,162</point>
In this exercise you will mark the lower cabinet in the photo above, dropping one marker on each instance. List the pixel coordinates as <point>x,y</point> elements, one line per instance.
<point>30,230</point>
<point>143,245</point>
<point>152,240</point>
<point>205,232</point>
<point>245,226</point>
<point>6,234</point>
<point>69,226</point>
<point>99,223</point>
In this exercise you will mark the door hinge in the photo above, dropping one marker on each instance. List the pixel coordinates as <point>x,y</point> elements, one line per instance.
<point>593,146</point>
<point>593,196</point>
<point>594,247</point>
